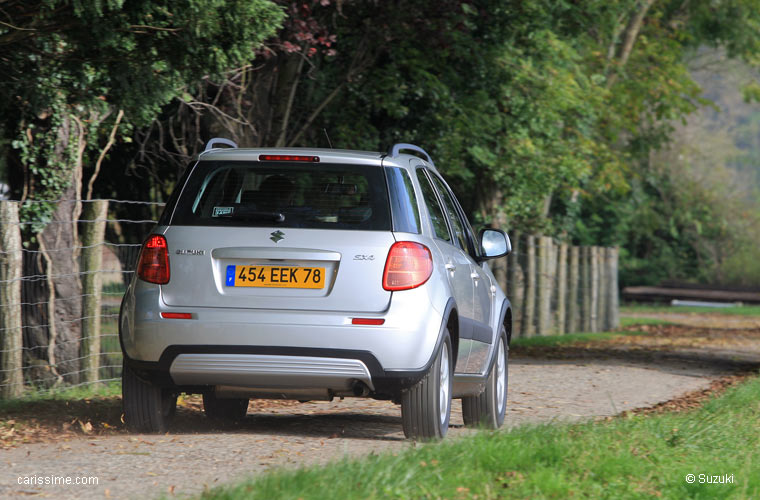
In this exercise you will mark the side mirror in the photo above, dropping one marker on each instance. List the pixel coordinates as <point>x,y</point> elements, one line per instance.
<point>495,243</point>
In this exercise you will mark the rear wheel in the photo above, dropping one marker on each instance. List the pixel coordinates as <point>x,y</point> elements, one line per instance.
<point>147,408</point>
<point>488,408</point>
<point>224,409</point>
<point>426,407</point>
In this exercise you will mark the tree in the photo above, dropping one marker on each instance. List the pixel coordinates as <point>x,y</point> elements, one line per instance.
<point>72,73</point>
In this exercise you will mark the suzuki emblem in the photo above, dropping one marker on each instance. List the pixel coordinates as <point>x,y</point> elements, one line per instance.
<point>277,236</point>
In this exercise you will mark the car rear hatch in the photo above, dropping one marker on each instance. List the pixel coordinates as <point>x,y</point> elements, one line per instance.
<point>293,235</point>
<point>305,269</point>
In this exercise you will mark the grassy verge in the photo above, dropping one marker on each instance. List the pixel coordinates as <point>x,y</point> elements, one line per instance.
<point>570,338</point>
<point>733,310</point>
<point>105,390</point>
<point>634,457</point>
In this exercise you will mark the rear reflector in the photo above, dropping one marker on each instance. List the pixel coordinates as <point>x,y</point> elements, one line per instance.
<point>367,321</point>
<point>153,264</point>
<point>176,315</point>
<point>409,265</point>
<point>313,159</point>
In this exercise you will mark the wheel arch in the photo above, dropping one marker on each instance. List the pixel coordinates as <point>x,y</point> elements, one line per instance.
<point>505,318</point>
<point>451,321</point>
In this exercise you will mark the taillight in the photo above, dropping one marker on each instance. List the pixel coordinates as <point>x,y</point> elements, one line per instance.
<point>153,265</point>
<point>409,265</point>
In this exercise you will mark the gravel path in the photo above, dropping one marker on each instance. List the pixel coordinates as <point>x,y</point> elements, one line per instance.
<point>147,466</point>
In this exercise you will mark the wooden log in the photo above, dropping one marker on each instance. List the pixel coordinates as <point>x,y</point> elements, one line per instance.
<point>11,332</point>
<point>561,288</point>
<point>594,282</point>
<point>574,286</point>
<point>544,285</point>
<point>529,312</point>
<point>92,259</point>
<point>515,288</point>
<point>666,294</point>
<point>613,302</point>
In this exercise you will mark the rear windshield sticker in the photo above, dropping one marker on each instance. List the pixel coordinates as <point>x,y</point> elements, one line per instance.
<point>220,211</point>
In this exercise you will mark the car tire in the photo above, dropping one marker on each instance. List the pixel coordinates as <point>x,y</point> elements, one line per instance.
<point>224,408</point>
<point>426,406</point>
<point>489,407</point>
<point>147,407</point>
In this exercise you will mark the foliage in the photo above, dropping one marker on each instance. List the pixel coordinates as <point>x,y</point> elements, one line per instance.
<point>546,116</point>
<point>67,66</point>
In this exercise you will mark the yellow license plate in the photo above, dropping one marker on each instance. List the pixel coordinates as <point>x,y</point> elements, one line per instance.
<point>276,276</point>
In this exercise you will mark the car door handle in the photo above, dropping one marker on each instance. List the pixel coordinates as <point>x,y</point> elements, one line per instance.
<point>450,267</point>
<point>475,276</point>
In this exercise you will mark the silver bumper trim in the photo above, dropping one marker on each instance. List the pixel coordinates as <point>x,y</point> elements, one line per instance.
<point>263,370</point>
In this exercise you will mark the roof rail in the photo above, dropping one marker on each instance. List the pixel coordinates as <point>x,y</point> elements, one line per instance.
<point>397,148</point>
<point>219,140</point>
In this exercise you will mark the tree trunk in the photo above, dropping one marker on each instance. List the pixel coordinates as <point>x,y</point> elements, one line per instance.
<point>52,290</point>
<point>61,248</point>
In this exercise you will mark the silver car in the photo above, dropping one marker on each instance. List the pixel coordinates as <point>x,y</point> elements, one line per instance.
<point>308,274</point>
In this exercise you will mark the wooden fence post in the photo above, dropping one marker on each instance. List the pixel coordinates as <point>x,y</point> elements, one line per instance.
<point>586,289</point>
<point>92,260</point>
<point>561,288</point>
<point>529,314</point>
<point>573,320</point>
<point>594,306</point>
<point>11,332</point>
<point>516,284</point>
<point>545,287</point>
<point>613,304</point>
<point>602,322</point>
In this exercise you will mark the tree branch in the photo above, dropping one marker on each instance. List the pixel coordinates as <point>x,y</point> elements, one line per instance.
<point>111,140</point>
<point>630,36</point>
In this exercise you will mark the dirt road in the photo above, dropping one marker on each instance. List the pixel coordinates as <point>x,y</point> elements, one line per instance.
<point>567,383</point>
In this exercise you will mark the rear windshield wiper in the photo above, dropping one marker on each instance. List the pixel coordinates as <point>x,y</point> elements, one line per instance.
<point>256,215</point>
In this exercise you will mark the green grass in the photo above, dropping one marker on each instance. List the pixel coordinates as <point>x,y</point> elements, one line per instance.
<point>634,457</point>
<point>108,389</point>
<point>733,310</point>
<point>627,321</point>
<point>551,340</point>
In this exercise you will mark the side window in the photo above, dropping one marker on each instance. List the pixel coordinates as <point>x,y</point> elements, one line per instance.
<point>434,208</point>
<point>406,214</point>
<point>475,250</point>
<point>456,223</point>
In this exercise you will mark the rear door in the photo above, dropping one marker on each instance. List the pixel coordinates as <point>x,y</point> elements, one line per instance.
<point>280,236</point>
<point>456,264</point>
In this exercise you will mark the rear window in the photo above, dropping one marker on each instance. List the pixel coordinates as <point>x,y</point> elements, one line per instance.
<point>265,194</point>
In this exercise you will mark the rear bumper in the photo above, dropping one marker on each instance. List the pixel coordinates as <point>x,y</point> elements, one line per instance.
<point>273,369</point>
<point>258,348</point>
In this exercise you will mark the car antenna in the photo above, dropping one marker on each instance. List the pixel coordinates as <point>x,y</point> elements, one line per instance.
<point>328,138</point>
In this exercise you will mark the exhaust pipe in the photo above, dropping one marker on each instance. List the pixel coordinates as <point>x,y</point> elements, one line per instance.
<point>360,389</point>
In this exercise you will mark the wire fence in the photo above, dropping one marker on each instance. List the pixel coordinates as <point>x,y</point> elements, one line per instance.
<point>61,290</point>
